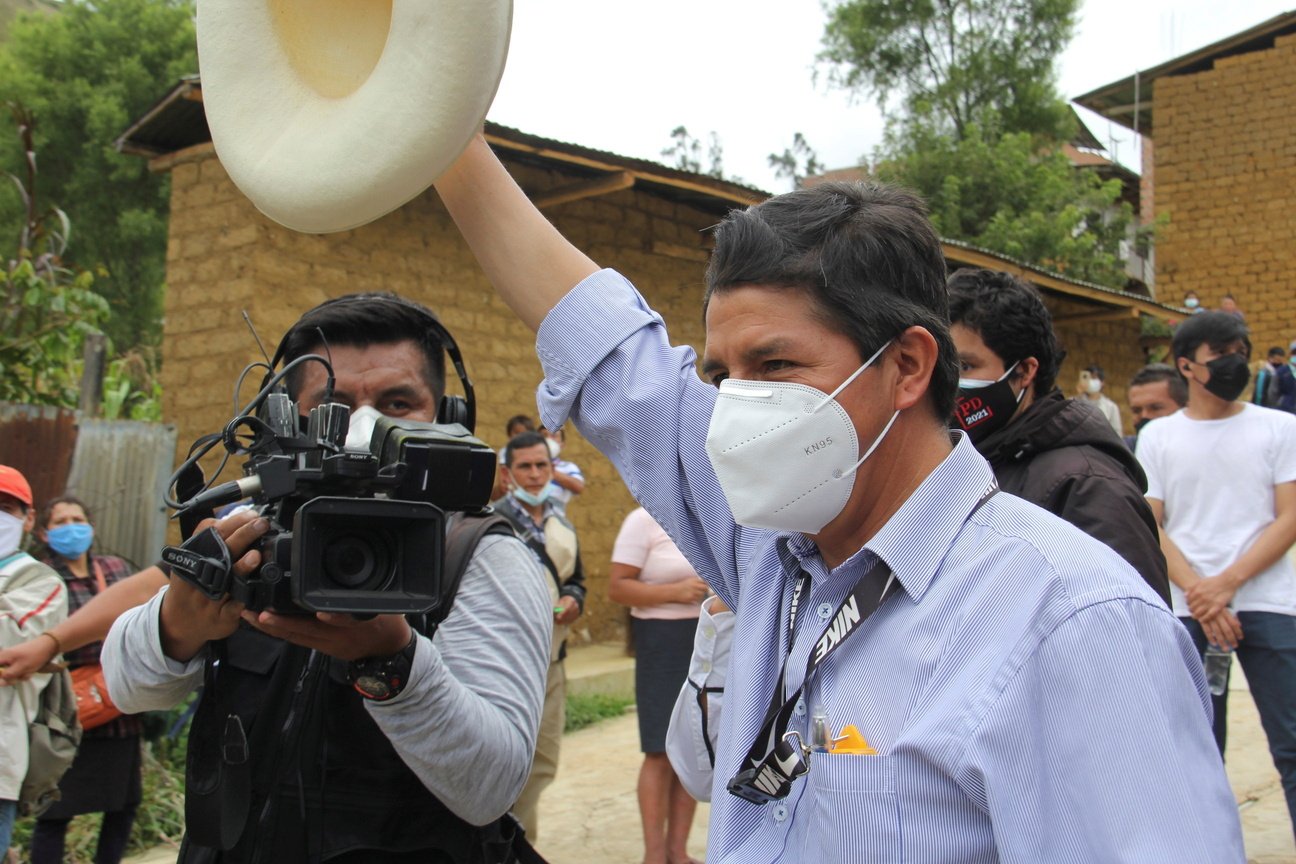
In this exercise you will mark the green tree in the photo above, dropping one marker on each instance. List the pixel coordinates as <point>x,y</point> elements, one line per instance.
<point>87,71</point>
<point>686,153</point>
<point>953,63</point>
<point>796,162</point>
<point>1006,193</point>
<point>46,308</point>
<point>975,124</point>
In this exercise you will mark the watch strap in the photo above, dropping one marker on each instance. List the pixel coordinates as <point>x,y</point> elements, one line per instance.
<point>380,679</point>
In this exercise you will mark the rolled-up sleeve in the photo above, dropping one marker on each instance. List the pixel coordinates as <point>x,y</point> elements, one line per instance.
<point>140,676</point>
<point>610,367</point>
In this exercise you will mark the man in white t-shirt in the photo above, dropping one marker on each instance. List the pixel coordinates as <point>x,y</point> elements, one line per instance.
<point>1222,484</point>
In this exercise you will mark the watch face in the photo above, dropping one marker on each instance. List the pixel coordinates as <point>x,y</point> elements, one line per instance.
<point>375,687</point>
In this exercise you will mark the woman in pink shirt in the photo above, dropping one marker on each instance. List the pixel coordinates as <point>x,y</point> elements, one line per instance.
<point>663,592</point>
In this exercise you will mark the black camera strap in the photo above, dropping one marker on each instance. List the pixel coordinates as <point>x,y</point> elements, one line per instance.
<point>777,757</point>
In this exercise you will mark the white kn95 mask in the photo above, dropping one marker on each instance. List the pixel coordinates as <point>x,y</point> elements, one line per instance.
<point>361,428</point>
<point>785,454</point>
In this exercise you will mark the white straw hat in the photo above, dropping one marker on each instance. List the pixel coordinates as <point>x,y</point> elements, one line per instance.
<point>328,114</point>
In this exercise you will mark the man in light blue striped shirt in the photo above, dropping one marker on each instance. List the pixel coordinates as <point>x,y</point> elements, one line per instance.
<point>1019,695</point>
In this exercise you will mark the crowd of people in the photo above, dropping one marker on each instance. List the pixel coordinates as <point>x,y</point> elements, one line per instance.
<point>894,595</point>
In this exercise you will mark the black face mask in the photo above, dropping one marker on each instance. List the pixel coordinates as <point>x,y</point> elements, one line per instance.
<point>982,411</point>
<point>1228,376</point>
<point>1139,424</point>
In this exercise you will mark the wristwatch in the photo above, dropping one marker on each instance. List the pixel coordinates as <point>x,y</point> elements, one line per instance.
<point>383,678</point>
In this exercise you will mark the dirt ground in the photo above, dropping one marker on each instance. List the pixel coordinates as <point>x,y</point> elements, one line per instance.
<point>591,812</point>
<point>590,815</point>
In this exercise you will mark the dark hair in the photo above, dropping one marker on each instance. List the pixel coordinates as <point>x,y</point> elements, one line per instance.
<point>1218,330</point>
<point>1096,371</point>
<point>522,441</point>
<point>523,420</point>
<point>864,253</point>
<point>47,511</point>
<point>362,320</point>
<point>1011,318</point>
<point>1154,372</point>
<point>1276,352</point>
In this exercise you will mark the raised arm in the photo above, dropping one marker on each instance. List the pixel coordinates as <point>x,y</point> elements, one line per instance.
<point>530,264</point>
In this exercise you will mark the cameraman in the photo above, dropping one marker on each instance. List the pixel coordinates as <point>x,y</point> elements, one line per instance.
<point>336,774</point>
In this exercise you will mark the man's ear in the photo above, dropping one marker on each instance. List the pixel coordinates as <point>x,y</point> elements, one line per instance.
<point>915,353</point>
<point>29,522</point>
<point>1026,371</point>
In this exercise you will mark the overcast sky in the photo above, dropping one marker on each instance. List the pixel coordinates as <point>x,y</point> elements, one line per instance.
<point>620,76</point>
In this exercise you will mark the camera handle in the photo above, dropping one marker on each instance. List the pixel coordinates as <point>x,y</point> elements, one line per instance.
<point>204,561</point>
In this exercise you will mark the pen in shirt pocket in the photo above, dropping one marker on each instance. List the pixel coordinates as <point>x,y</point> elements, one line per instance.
<point>849,743</point>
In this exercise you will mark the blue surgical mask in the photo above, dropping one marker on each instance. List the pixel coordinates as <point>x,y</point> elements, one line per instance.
<point>70,540</point>
<point>534,500</point>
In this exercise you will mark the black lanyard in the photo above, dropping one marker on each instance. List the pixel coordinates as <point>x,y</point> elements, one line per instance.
<point>774,761</point>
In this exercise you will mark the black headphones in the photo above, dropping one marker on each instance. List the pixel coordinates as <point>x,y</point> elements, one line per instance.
<point>451,409</point>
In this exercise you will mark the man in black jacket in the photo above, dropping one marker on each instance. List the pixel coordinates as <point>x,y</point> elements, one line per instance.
<point>1059,453</point>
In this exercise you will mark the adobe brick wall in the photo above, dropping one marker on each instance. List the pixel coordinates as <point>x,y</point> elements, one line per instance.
<point>224,256</point>
<point>1113,345</point>
<point>1225,174</point>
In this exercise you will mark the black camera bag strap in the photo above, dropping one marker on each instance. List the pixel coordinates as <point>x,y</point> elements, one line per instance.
<point>462,536</point>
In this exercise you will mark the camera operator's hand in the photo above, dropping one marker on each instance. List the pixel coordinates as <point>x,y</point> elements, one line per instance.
<point>337,634</point>
<point>189,618</point>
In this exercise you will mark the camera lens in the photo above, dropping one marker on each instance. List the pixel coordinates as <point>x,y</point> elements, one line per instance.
<point>358,561</point>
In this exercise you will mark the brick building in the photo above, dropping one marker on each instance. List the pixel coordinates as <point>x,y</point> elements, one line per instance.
<point>1219,166</point>
<point>646,220</point>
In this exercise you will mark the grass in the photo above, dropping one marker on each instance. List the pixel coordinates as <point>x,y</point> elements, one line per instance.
<point>586,709</point>
<point>160,818</point>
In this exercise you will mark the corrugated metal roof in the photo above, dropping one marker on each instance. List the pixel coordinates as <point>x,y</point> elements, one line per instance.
<point>1129,101</point>
<point>120,469</point>
<point>38,441</point>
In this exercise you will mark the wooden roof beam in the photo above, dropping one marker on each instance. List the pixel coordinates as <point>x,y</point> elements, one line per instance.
<point>1100,315</point>
<point>605,185</point>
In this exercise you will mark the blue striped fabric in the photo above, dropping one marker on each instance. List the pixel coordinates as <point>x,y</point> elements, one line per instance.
<point>1028,697</point>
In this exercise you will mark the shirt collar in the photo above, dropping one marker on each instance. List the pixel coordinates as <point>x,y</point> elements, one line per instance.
<point>915,540</point>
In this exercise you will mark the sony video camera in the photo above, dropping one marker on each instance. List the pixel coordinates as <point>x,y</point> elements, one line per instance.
<point>357,532</point>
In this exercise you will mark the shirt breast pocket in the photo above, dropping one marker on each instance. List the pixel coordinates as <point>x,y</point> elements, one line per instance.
<point>856,812</point>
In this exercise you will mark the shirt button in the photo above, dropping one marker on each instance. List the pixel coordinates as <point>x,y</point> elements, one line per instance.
<point>780,812</point>
<point>825,611</point>
<point>800,708</point>
<point>706,666</point>
<point>708,632</point>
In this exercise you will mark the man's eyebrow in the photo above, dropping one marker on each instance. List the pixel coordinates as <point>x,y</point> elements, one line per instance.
<point>757,352</point>
<point>408,391</point>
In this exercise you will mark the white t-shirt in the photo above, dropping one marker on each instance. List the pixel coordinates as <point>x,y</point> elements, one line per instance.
<point>1216,480</point>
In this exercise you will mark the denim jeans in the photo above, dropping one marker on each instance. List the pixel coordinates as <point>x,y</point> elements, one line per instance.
<point>1218,703</point>
<point>1268,657</point>
<point>8,812</point>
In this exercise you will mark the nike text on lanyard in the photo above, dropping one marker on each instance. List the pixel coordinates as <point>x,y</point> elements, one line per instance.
<point>778,756</point>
